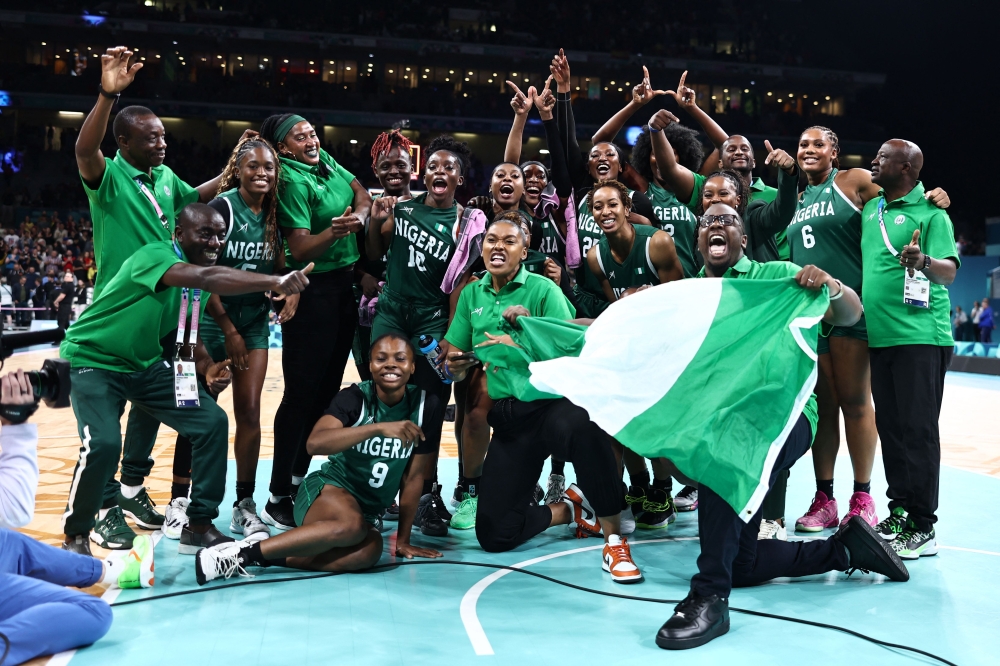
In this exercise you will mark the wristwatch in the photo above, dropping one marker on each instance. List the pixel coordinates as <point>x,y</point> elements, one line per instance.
<point>927,262</point>
<point>112,96</point>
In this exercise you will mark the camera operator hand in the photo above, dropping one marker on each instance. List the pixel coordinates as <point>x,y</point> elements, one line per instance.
<point>17,398</point>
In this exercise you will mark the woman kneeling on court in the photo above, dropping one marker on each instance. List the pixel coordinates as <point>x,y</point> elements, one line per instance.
<point>370,431</point>
<point>526,433</point>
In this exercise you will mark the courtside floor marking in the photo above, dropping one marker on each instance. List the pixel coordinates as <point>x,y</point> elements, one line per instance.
<point>467,610</point>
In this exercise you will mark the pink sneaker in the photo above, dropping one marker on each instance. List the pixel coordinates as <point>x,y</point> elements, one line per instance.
<point>821,514</point>
<point>862,505</point>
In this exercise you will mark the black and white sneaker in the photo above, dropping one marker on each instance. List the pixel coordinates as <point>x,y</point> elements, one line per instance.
<point>439,503</point>
<point>657,510</point>
<point>192,542</point>
<point>246,521</point>
<point>219,562</point>
<point>867,551</point>
<point>458,494</point>
<point>280,515</point>
<point>428,517</point>
<point>912,544</point>
<point>686,499</point>
<point>79,544</point>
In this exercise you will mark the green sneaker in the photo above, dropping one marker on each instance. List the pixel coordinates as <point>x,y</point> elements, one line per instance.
<point>113,532</point>
<point>465,516</point>
<point>890,528</point>
<point>142,510</point>
<point>138,565</point>
<point>913,544</point>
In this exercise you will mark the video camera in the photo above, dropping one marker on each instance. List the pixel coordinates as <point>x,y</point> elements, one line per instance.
<point>52,382</point>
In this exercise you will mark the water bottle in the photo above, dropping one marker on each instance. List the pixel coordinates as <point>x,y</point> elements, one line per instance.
<point>430,348</point>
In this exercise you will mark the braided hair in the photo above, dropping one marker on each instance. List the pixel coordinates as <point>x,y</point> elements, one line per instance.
<point>831,136</point>
<point>269,130</point>
<point>230,179</point>
<point>386,141</point>
<point>448,143</point>
<point>614,184</point>
<point>684,141</point>
<point>738,185</point>
<point>518,218</point>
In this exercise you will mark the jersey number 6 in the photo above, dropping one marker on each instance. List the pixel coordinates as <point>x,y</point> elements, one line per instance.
<point>379,470</point>
<point>808,240</point>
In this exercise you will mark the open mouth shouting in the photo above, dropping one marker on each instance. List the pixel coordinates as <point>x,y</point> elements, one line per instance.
<point>506,192</point>
<point>603,169</point>
<point>498,257</point>
<point>718,243</point>
<point>439,186</point>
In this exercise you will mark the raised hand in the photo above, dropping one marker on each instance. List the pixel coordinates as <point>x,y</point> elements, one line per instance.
<point>520,102</point>
<point>294,282</point>
<point>642,92</point>
<point>661,119</point>
<point>911,257</point>
<point>683,95</point>
<point>560,71</point>
<point>938,197</point>
<point>116,75</point>
<point>779,158</point>
<point>346,224</point>
<point>382,209</point>
<point>545,101</point>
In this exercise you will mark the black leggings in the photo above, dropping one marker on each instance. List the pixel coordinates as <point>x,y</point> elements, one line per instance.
<point>315,346</point>
<point>524,435</point>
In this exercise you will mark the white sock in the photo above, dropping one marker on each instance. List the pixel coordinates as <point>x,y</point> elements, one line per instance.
<point>277,498</point>
<point>102,513</point>
<point>130,491</point>
<point>297,480</point>
<point>113,568</point>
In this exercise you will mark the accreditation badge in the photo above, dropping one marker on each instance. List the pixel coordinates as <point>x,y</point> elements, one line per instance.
<point>185,384</point>
<point>916,289</point>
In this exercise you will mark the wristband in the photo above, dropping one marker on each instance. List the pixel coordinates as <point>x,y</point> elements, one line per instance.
<point>112,96</point>
<point>18,414</point>
<point>839,293</point>
<point>653,129</point>
<point>927,262</point>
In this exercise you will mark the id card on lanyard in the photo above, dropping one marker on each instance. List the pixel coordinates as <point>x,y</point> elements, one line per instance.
<point>185,376</point>
<point>916,289</point>
<point>156,206</point>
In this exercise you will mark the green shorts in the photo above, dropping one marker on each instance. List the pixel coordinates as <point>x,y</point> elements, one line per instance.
<point>361,347</point>
<point>397,314</point>
<point>250,320</point>
<point>859,332</point>
<point>313,485</point>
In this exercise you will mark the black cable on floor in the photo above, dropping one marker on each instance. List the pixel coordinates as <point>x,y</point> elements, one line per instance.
<point>393,565</point>
<point>6,647</point>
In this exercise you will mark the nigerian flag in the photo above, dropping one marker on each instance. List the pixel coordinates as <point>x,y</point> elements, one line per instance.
<point>711,373</point>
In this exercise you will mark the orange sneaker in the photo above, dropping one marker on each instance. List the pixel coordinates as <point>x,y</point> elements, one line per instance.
<point>618,561</point>
<point>585,522</point>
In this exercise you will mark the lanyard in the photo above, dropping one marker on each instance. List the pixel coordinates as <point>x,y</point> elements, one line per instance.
<point>152,200</point>
<point>182,316</point>
<point>881,222</point>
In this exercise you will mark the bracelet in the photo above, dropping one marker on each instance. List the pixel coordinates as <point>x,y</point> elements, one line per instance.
<point>114,96</point>
<point>653,129</point>
<point>839,293</point>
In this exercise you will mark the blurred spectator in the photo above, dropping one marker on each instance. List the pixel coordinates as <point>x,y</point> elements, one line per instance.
<point>986,324</point>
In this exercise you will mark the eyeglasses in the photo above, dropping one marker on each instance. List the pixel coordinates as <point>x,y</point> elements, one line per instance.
<point>726,220</point>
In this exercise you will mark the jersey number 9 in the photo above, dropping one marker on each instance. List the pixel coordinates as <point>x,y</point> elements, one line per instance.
<point>379,470</point>
<point>808,240</point>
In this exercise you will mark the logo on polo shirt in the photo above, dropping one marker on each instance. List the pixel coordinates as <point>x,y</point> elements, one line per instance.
<point>900,219</point>
<point>477,311</point>
<point>166,190</point>
<point>407,209</point>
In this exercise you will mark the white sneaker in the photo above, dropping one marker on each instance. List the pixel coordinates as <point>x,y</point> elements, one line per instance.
<point>555,489</point>
<point>584,519</point>
<point>218,562</point>
<point>617,561</point>
<point>772,529</point>
<point>686,499</point>
<point>176,518</point>
<point>246,521</point>
<point>627,521</point>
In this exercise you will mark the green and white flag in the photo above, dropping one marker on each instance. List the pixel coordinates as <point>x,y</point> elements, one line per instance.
<point>710,373</point>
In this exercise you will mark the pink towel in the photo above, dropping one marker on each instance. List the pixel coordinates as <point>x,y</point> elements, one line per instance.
<point>468,248</point>
<point>572,238</point>
<point>366,309</point>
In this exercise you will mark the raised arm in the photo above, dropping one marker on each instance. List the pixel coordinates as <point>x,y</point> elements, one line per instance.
<point>776,215</point>
<point>567,123</point>
<point>521,104</point>
<point>226,281</point>
<point>685,98</point>
<point>545,102</point>
<point>116,75</point>
<point>642,94</point>
<point>676,177</point>
<point>378,238</point>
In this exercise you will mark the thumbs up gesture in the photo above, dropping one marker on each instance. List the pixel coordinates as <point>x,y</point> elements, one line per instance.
<point>911,257</point>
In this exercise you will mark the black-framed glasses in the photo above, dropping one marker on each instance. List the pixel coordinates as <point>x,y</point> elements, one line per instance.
<point>726,220</point>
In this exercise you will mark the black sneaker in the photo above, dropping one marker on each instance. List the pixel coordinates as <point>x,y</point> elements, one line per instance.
<point>869,552</point>
<point>79,544</point>
<point>539,494</point>
<point>439,504</point>
<point>449,413</point>
<point>459,494</point>
<point>428,517</point>
<point>657,510</point>
<point>696,621</point>
<point>635,497</point>
<point>280,514</point>
<point>192,542</point>
<point>380,525</point>
<point>392,513</point>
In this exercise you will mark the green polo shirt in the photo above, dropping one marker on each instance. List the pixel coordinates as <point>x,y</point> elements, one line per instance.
<point>124,218</point>
<point>890,321</point>
<point>772,270</point>
<point>480,311</point>
<point>758,191</point>
<point>308,200</point>
<point>121,330</point>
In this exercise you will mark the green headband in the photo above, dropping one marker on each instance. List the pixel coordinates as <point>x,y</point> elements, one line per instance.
<point>285,127</point>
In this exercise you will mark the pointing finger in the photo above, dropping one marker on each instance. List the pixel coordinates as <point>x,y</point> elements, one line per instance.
<point>683,79</point>
<point>513,87</point>
<point>767,144</point>
<point>645,74</point>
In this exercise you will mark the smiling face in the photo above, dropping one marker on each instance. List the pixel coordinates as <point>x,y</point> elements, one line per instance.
<point>301,143</point>
<point>257,170</point>
<point>603,163</point>
<point>146,143</point>
<point>609,211</point>
<point>722,242</point>
<point>200,235</point>
<point>393,171</point>
<point>816,152</point>
<point>391,364</point>
<point>442,175</point>
<point>535,181</point>
<point>737,154</point>
<point>719,189</point>
<point>504,248</point>
<point>507,186</point>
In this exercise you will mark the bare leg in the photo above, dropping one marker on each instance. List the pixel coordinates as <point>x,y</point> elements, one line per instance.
<point>247,387</point>
<point>475,429</point>
<point>853,385</point>
<point>827,442</point>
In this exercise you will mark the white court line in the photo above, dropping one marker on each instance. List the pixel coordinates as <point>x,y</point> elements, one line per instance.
<point>110,595</point>
<point>970,550</point>
<point>467,610</point>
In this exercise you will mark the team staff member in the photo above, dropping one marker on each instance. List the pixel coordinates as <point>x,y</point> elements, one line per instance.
<point>116,356</point>
<point>133,201</point>
<point>320,205</point>
<point>909,338</point>
<point>731,554</point>
<point>526,433</point>
<point>374,433</point>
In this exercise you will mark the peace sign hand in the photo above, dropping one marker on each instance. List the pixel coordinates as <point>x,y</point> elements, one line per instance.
<point>545,101</point>
<point>683,95</point>
<point>116,75</point>
<point>643,92</point>
<point>520,102</point>
<point>911,257</point>
<point>779,158</point>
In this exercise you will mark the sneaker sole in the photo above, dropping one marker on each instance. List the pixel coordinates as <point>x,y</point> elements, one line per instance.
<point>259,535</point>
<point>147,566</point>
<point>578,500</point>
<point>621,578</point>
<point>110,545</point>
<point>458,527</point>
<point>926,552</point>
<point>140,523</point>
<point>434,532</point>
<point>688,643</point>
<point>885,553</point>
<point>187,549</point>
<point>814,528</point>
<point>682,508</point>
<point>269,520</point>
<point>199,573</point>
<point>173,536</point>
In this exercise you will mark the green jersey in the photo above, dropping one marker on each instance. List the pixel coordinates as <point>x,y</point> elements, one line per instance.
<point>589,233</point>
<point>245,246</point>
<point>372,470</point>
<point>677,220</point>
<point>636,270</point>
<point>552,243</point>
<point>125,216</point>
<point>423,239</point>
<point>121,330</point>
<point>826,232</point>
